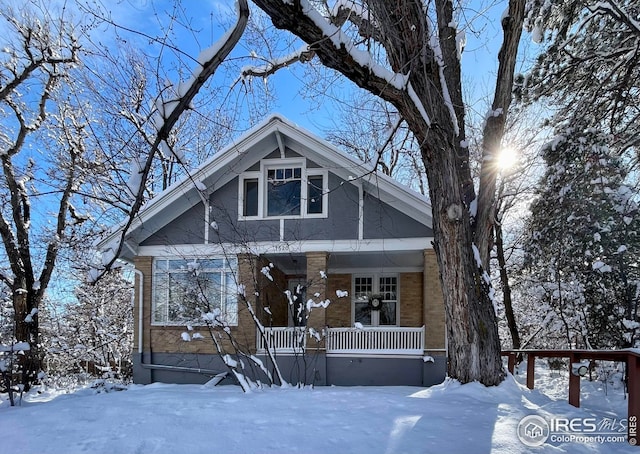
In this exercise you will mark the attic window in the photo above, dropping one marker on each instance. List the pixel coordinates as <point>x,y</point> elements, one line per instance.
<point>283,191</point>
<point>315,189</point>
<point>250,206</point>
<point>283,188</point>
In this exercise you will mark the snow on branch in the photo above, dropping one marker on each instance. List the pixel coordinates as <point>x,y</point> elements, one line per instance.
<point>169,110</point>
<point>612,8</point>
<point>341,41</point>
<point>302,55</point>
<point>345,9</point>
<point>434,43</point>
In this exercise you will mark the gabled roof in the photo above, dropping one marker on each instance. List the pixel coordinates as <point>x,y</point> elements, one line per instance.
<point>275,132</point>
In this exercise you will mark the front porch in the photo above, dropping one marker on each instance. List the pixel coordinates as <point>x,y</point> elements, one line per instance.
<point>366,340</point>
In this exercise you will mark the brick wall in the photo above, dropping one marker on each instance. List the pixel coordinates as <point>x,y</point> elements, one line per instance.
<point>339,311</point>
<point>411,299</point>
<point>434,316</point>
<point>317,262</point>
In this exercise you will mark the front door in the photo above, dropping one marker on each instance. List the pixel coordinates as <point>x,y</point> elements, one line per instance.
<point>366,288</point>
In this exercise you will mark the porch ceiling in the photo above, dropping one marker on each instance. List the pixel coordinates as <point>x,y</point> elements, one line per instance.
<point>348,262</point>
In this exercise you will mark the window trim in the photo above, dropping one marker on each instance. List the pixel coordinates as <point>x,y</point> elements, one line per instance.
<point>154,289</point>
<point>261,176</point>
<point>241,184</point>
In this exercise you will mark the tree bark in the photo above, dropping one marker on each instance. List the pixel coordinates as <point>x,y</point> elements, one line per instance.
<point>506,289</point>
<point>494,127</point>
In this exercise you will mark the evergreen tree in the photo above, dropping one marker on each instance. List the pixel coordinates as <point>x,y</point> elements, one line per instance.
<point>582,243</point>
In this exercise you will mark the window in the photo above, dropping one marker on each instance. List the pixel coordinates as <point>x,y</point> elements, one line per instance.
<point>185,289</point>
<point>250,207</point>
<point>284,191</point>
<point>364,288</point>
<point>283,188</point>
<point>315,189</point>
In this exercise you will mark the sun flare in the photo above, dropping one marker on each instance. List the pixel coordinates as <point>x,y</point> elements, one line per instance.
<point>507,158</point>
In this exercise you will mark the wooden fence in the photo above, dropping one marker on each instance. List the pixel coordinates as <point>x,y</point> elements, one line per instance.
<point>631,357</point>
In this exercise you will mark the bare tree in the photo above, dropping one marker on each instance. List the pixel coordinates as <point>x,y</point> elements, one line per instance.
<point>35,64</point>
<point>407,52</point>
<point>170,105</point>
<point>371,129</point>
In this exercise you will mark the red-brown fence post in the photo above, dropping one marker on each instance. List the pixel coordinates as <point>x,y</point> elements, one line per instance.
<point>633,387</point>
<point>511,364</point>
<point>574,382</point>
<point>531,370</point>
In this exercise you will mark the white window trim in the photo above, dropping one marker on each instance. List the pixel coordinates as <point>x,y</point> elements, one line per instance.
<point>261,176</point>
<point>153,288</point>
<point>376,289</point>
<point>248,176</point>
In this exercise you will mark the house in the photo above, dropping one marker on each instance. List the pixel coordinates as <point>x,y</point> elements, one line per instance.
<point>293,222</point>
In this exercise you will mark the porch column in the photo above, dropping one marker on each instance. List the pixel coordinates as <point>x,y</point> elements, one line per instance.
<point>433,305</point>
<point>247,276</point>
<point>316,268</point>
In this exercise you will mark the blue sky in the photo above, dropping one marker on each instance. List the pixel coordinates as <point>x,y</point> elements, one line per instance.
<point>211,18</point>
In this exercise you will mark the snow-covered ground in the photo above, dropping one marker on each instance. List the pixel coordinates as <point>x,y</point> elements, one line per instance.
<point>448,418</point>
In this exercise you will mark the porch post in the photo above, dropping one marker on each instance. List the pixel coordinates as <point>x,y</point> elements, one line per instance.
<point>247,265</point>
<point>316,269</point>
<point>574,382</point>
<point>433,304</point>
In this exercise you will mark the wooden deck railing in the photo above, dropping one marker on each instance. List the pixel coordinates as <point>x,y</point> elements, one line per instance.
<point>629,356</point>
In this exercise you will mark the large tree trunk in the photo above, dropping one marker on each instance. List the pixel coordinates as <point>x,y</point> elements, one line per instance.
<point>422,80</point>
<point>472,335</point>
<point>26,330</point>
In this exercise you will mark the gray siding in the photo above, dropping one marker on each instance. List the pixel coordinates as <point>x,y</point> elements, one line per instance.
<point>380,221</point>
<point>384,221</point>
<point>342,220</point>
<point>188,228</point>
<point>326,370</point>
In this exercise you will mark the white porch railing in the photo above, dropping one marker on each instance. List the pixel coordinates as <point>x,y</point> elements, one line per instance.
<point>382,340</point>
<point>379,339</point>
<point>283,339</point>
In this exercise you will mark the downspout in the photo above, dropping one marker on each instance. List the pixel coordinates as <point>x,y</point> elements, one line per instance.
<point>140,287</point>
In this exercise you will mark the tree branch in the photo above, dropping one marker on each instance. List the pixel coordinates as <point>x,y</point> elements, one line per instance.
<point>221,49</point>
<point>494,128</point>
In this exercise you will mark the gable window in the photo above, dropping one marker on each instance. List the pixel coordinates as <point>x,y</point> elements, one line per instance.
<point>283,188</point>
<point>366,288</point>
<point>315,189</point>
<point>284,191</point>
<point>250,203</point>
<point>184,289</point>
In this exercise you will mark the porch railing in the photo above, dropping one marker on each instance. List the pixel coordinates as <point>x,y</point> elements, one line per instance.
<point>283,339</point>
<point>367,340</point>
<point>387,339</point>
